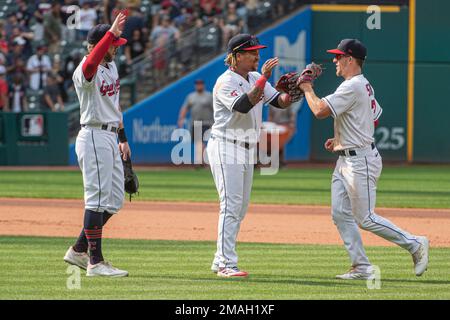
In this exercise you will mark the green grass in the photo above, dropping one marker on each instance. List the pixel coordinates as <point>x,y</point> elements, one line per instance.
<point>32,268</point>
<point>407,186</point>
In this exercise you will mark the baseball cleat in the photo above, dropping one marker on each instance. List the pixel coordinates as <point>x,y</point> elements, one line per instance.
<point>79,259</point>
<point>420,257</point>
<point>231,272</point>
<point>214,268</point>
<point>355,274</point>
<point>104,269</point>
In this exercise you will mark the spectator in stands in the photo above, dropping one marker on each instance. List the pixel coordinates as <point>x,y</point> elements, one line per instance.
<point>17,95</point>
<point>24,12</point>
<point>16,53</point>
<point>231,24</point>
<point>53,28</point>
<point>185,20</point>
<point>58,73</point>
<point>208,10</point>
<point>107,9</point>
<point>3,39</point>
<point>135,21</point>
<point>119,5</point>
<point>171,9</point>
<point>135,47</point>
<point>88,19</point>
<point>242,12</point>
<point>11,23</point>
<point>26,37</point>
<point>51,97</point>
<point>38,29</point>
<point>38,67</point>
<point>166,29</point>
<point>155,7</point>
<point>160,60</point>
<point>72,61</point>
<point>200,105</point>
<point>4,100</point>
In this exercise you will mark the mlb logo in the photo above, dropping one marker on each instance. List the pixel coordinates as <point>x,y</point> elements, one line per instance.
<point>32,125</point>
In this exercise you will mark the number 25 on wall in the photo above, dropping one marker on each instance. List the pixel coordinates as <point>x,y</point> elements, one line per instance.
<point>390,138</point>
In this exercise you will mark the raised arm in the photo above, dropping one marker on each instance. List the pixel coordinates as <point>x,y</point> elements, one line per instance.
<point>98,53</point>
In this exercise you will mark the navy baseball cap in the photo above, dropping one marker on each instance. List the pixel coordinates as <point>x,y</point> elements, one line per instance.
<point>352,47</point>
<point>244,42</point>
<point>99,31</point>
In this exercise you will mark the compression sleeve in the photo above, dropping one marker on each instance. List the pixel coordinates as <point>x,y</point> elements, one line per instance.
<point>243,104</point>
<point>96,56</point>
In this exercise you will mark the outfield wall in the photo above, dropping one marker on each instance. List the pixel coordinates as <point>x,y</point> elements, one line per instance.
<point>412,126</point>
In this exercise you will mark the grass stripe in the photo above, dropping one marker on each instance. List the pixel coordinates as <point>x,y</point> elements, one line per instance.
<point>33,269</point>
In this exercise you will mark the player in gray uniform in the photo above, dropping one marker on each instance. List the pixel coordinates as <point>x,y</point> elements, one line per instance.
<point>97,85</point>
<point>238,96</point>
<point>200,104</point>
<point>356,111</point>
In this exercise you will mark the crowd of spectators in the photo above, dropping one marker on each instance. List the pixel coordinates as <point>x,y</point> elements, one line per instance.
<point>35,36</point>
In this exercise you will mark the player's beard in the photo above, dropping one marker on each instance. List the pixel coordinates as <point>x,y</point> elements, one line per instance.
<point>108,57</point>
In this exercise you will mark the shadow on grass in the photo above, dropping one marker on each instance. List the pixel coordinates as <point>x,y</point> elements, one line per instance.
<point>439,282</point>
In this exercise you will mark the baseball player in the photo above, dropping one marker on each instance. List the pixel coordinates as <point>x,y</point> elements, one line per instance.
<point>356,111</point>
<point>99,155</point>
<point>238,97</point>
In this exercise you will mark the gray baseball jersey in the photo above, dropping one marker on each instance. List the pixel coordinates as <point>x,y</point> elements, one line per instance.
<point>99,98</point>
<point>354,109</point>
<point>235,125</point>
<point>354,182</point>
<point>201,106</point>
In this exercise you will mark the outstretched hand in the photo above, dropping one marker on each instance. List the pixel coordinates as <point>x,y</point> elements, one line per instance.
<point>268,66</point>
<point>118,24</point>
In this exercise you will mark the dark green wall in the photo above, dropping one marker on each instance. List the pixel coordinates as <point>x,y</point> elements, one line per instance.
<point>385,68</point>
<point>432,82</point>
<point>50,149</point>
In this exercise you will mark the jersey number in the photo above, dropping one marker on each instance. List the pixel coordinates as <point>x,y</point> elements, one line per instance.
<point>373,104</point>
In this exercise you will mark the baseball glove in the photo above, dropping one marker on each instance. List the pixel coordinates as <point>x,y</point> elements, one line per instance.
<point>131,180</point>
<point>288,84</point>
<point>309,74</point>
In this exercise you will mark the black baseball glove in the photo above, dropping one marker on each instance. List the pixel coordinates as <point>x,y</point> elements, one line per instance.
<point>131,181</point>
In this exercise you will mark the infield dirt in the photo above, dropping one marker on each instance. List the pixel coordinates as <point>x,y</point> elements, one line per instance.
<point>198,221</point>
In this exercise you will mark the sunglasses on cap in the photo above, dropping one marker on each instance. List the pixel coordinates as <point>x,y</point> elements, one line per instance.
<point>249,43</point>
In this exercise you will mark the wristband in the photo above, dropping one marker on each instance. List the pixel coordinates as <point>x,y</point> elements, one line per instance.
<point>261,82</point>
<point>121,134</point>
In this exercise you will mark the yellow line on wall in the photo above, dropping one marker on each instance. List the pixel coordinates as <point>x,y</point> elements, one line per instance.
<point>411,62</point>
<point>350,8</point>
